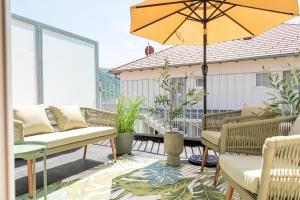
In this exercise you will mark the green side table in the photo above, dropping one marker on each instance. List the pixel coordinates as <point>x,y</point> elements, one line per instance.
<point>30,150</point>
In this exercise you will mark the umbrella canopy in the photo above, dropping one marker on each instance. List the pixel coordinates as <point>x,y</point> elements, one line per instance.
<point>180,21</point>
<point>207,21</point>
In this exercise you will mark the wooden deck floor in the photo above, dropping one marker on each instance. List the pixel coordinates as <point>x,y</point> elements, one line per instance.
<point>157,147</point>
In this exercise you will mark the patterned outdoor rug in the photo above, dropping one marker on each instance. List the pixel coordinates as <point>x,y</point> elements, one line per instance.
<point>133,177</point>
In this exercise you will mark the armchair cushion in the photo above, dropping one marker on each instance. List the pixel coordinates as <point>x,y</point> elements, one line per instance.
<point>211,136</point>
<point>68,117</point>
<point>295,130</point>
<point>242,169</point>
<point>57,139</point>
<point>250,110</point>
<point>34,119</point>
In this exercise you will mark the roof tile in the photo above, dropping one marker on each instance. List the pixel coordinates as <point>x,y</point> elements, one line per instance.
<point>279,41</point>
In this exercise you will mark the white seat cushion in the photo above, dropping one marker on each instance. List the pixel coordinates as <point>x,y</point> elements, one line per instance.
<point>211,136</point>
<point>244,170</point>
<point>76,135</point>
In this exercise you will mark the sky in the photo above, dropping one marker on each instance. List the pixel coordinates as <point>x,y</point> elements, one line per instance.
<point>107,22</point>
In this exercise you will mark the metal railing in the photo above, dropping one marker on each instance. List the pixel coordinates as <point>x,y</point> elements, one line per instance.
<point>225,92</point>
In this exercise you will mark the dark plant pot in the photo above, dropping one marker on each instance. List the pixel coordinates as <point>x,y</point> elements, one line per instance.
<point>173,144</point>
<point>123,143</point>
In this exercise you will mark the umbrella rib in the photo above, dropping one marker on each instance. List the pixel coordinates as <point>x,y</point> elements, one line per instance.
<point>233,19</point>
<point>220,14</point>
<point>162,18</point>
<point>190,17</point>
<point>216,10</point>
<point>181,23</point>
<point>163,4</point>
<point>193,11</point>
<point>256,8</point>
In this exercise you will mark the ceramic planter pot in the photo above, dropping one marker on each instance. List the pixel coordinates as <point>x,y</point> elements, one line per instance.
<point>123,143</point>
<point>173,144</point>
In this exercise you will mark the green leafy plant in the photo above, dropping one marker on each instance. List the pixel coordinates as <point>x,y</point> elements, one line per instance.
<point>164,104</point>
<point>128,111</point>
<point>285,92</point>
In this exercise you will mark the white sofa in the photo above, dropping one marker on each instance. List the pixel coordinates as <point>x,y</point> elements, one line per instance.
<point>101,126</point>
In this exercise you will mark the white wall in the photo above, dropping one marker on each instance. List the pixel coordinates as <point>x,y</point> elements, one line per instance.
<point>230,85</point>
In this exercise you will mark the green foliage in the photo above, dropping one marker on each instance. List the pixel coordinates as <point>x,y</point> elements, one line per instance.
<point>285,92</point>
<point>201,191</point>
<point>164,103</point>
<point>138,183</point>
<point>128,111</point>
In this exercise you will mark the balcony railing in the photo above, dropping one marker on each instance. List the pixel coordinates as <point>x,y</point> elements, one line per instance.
<point>225,92</point>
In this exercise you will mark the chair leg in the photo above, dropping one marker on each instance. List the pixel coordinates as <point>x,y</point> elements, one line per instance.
<point>204,158</point>
<point>84,151</point>
<point>112,144</point>
<point>217,174</point>
<point>30,178</point>
<point>229,192</point>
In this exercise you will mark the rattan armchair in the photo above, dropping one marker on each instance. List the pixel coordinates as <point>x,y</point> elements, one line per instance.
<point>212,130</point>
<point>260,161</point>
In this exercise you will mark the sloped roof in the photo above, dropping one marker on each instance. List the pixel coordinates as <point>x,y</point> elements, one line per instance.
<point>282,40</point>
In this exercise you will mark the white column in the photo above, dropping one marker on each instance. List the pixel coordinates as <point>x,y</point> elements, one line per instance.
<point>6,133</point>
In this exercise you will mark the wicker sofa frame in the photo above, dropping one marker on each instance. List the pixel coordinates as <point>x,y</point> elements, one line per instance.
<point>93,117</point>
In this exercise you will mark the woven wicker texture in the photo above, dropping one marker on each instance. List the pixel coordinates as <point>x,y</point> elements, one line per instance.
<point>249,137</point>
<point>214,121</point>
<point>18,131</point>
<point>281,169</point>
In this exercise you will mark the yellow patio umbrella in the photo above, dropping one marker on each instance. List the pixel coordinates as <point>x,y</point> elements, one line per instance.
<point>207,21</point>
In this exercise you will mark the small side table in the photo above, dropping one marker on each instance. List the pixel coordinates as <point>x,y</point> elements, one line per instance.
<point>30,150</point>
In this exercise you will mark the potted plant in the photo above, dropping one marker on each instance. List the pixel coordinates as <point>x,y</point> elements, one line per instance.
<point>128,111</point>
<point>164,105</point>
<point>284,98</point>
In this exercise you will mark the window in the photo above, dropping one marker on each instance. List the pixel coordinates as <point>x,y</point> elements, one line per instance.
<point>262,80</point>
<point>199,82</point>
<point>288,72</point>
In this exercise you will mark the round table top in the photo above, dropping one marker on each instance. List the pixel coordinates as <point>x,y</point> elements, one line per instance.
<point>21,150</point>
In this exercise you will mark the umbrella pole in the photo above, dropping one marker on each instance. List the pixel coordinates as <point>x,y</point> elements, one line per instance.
<point>204,64</point>
<point>211,160</point>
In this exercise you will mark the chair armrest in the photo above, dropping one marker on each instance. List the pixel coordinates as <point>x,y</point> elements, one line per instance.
<point>248,118</point>
<point>249,137</point>
<point>18,131</point>
<point>95,117</point>
<point>280,168</point>
<point>213,121</point>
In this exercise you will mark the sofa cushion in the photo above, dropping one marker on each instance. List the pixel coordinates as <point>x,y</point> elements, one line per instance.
<point>67,137</point>
<point>244,170</point>
<point>68,117</point>
<point>211,136</point>
<point>250,110</point>
<point>34,118</point>
<point>295,130</point>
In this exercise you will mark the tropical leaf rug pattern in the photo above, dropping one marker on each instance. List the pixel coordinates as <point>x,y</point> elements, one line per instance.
<point>133,177</point>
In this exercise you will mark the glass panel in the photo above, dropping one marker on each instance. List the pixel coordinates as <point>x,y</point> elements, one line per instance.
<point>262,80</point>
<point>180,84</point>
<point>69,70</point>
<point>24,88</point>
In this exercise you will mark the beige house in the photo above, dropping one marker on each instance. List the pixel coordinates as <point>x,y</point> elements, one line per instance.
<point>235,68</point>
